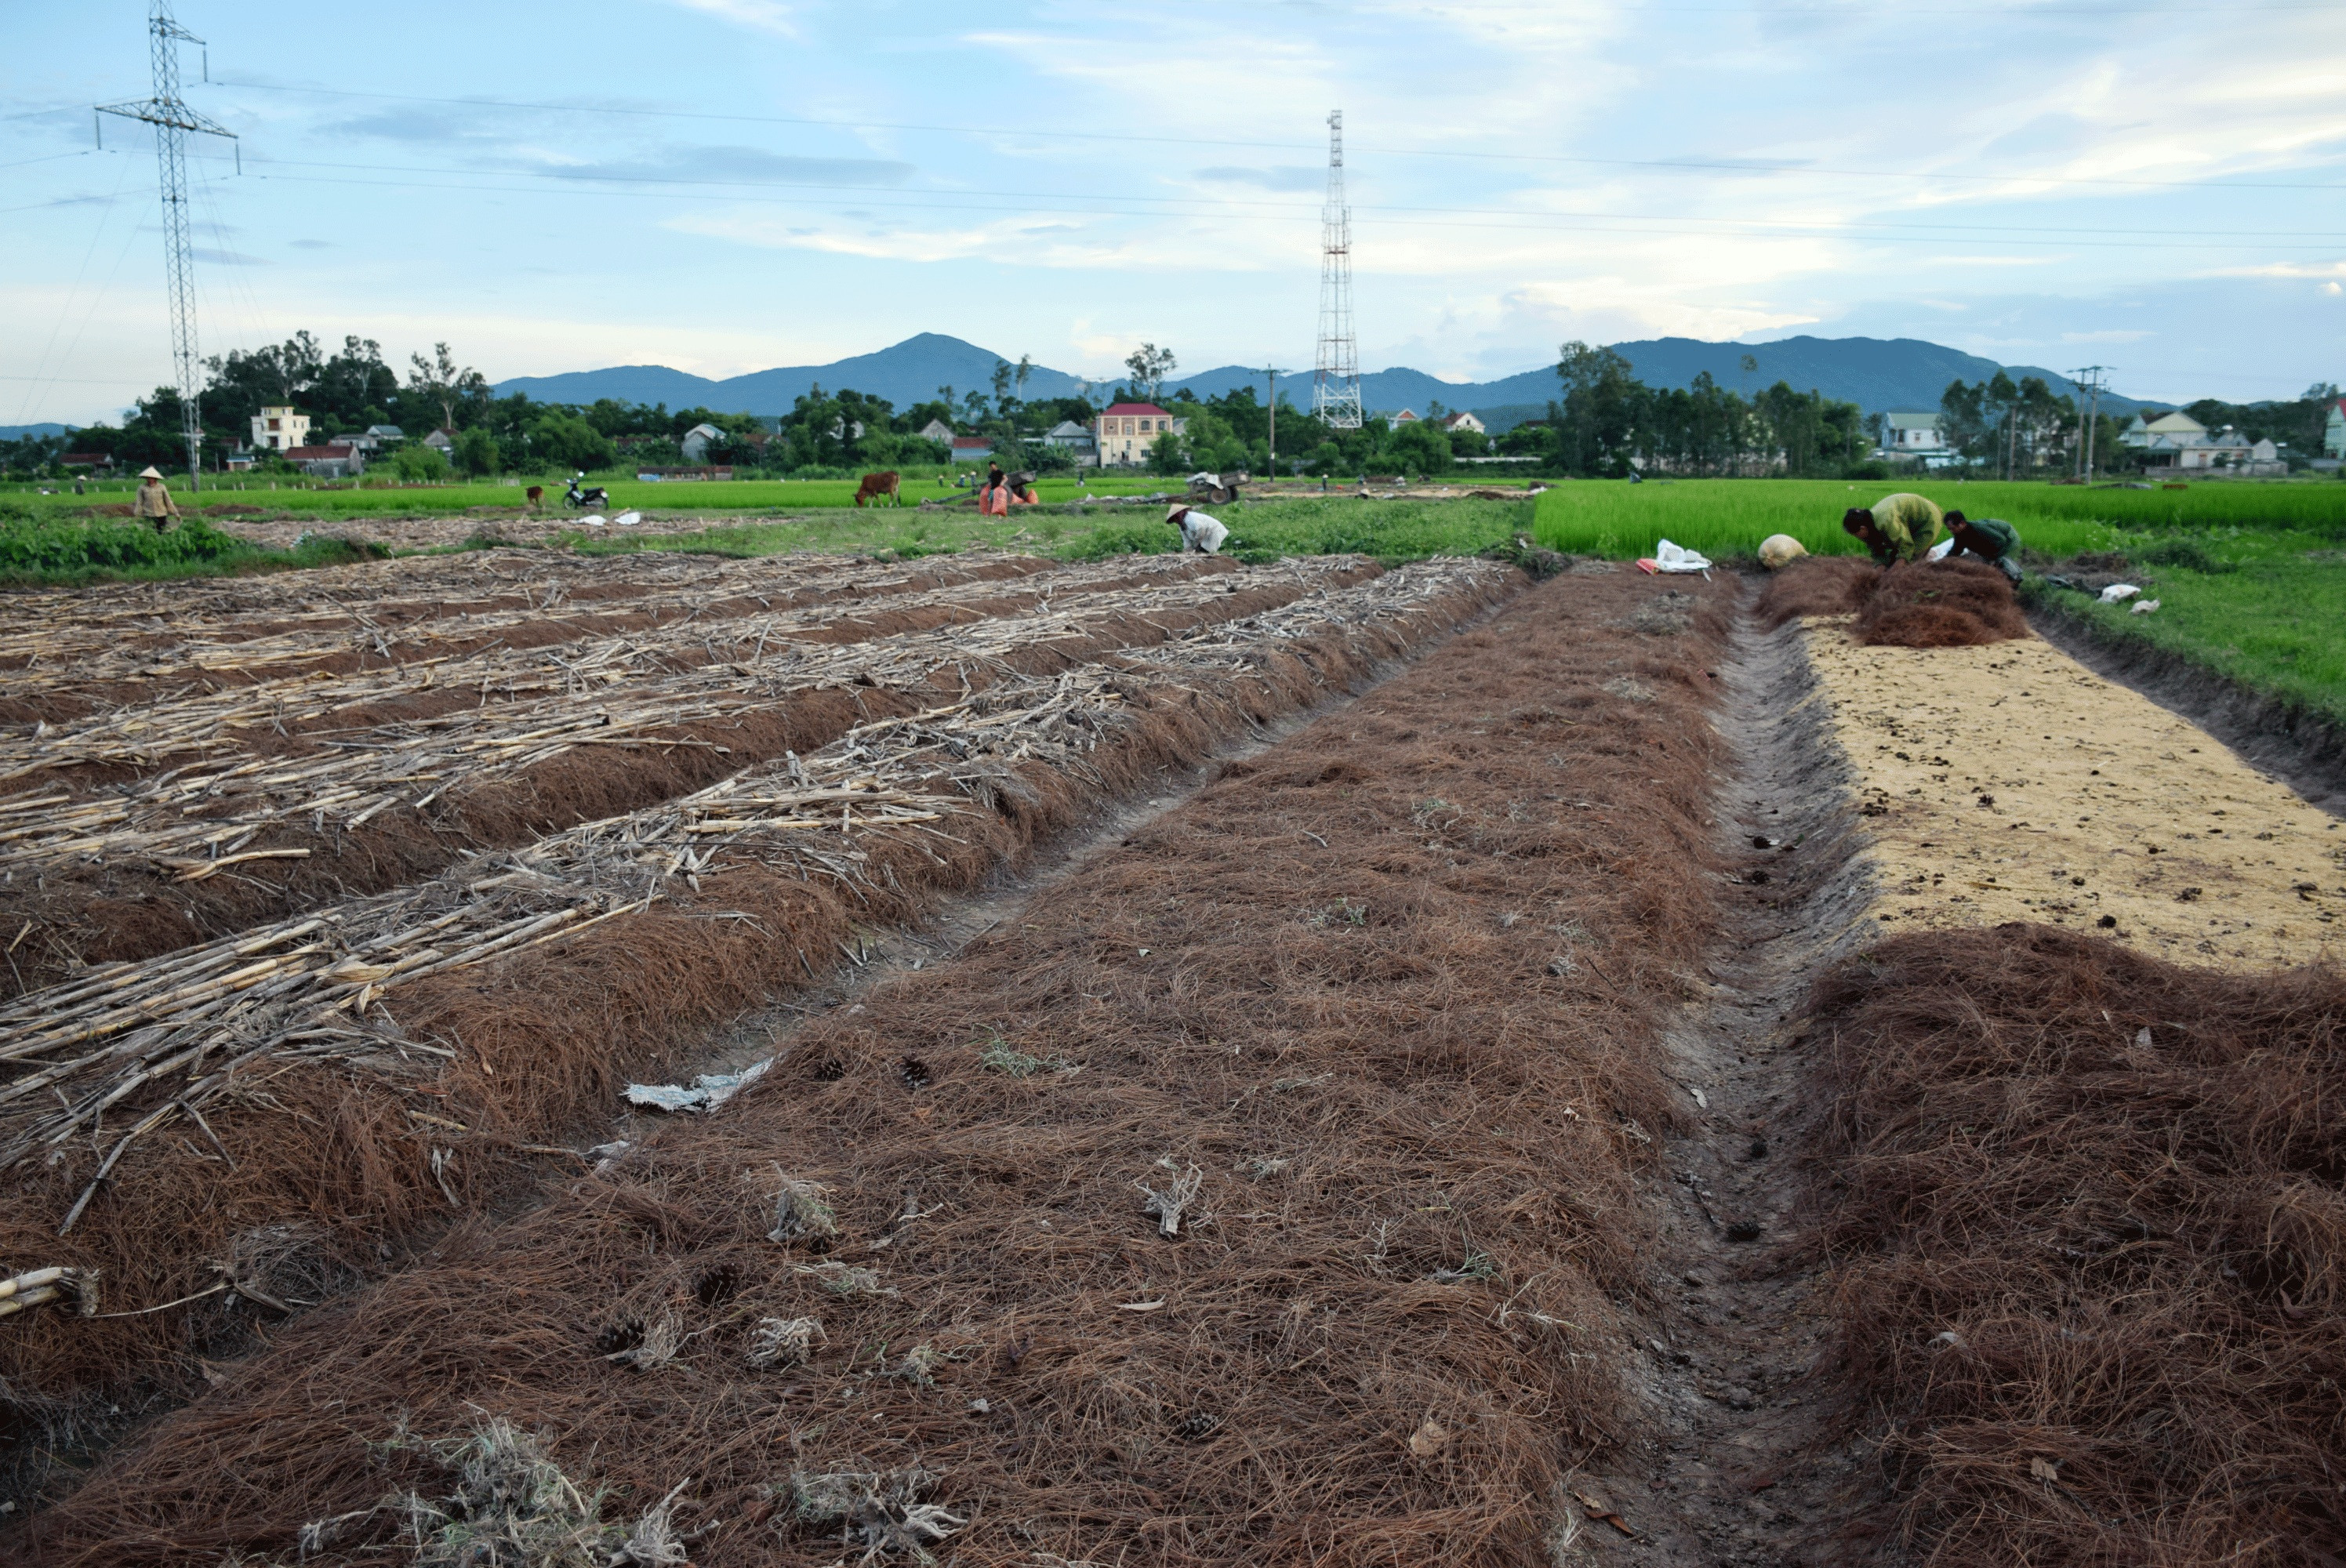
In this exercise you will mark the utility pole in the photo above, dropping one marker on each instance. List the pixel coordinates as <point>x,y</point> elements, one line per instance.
<point>2089,381</point>
<point>1273,373</point>
<point>172,120</point>
<point>1336,380</point>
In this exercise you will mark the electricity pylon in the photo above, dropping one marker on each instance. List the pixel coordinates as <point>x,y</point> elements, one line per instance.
<point>1336,380</point>
<point>172,120</point>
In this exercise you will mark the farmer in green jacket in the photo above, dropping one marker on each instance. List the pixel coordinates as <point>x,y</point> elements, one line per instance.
<point>1991,539</point>
<point>1896,528</point>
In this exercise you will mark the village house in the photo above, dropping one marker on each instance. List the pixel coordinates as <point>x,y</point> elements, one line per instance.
<point>2333,434</point>
<point>442,441</point>
<point>695,442</point>
<point>1125,431</point>
<point>1910,434</point>
<point>2177,444</point>
<point>334,461</point>
<point>938,430</point>
<point>277,428</point>
<point>973,449</point>
<point>1075,439</point>
<point>1455,423</point>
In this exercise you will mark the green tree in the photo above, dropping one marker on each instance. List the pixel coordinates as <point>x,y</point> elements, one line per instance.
<point>416,464</point>
<point>1149,366</point>
<point>440,383</point>
<point>1166,455</point>
<point>1600,412</point>
<point>566,440</point>
<point>476,453</point>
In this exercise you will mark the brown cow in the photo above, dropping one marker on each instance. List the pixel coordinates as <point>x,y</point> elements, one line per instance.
<point>875,486</point>
<point>536,494</point>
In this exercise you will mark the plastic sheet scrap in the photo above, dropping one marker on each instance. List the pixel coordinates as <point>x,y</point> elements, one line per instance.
<point>708,1090</point>
<point>1669,558</point>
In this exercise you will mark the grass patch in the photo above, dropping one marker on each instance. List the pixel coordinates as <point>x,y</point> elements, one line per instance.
<point>1729,517</point>
<point>53,552</point>
<point>2267,609</point>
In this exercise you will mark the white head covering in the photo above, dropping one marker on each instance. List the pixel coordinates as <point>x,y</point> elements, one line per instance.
<point>149,472</point>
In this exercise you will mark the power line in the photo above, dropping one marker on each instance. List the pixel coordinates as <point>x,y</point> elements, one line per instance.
<point>1095,206</point>
<point>1727,166</point>
<point>1217,205</point>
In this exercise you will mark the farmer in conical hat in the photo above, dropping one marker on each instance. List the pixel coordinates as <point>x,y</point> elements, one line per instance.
<point>154,503</point>
<point>1200,532</point>
<point>1896,528</point>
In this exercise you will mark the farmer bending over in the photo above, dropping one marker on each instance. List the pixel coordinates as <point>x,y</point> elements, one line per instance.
<point>1991,539</point>
<point>1200,532</point>
<point>1896,528</point>
<point>154,503</point>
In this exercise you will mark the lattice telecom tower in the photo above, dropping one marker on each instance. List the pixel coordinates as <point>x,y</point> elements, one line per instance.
<point>172,121</point>
<point>1336,380</point>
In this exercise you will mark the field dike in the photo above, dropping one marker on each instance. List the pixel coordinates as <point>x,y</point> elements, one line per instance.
<point>288,1112</point>
<point>127,873</point>
<point>1268,1192</point>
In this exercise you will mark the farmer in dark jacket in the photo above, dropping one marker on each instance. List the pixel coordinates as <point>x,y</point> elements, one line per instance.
<point>1991,539</point>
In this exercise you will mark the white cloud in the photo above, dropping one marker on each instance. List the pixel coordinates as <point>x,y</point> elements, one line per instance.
<point>2114,335</point>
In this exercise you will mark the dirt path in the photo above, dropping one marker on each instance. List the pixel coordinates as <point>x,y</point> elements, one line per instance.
<point>1741,1470</point>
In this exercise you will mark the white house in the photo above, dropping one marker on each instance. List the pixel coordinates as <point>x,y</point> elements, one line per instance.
<point>695,444</point>
<point>938,430</point>
<point>277,428</point>
<point>2334,435</point>
<point>1462,420</point>
<point>1125,431</point>
<point>1406,416</point>
<point>1912,433</point>
<point>442,441</point>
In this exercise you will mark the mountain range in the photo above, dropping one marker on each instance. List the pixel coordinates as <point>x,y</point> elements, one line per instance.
<point>1876,374</point>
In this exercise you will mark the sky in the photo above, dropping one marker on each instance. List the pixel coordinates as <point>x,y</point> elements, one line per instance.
<point>723,186</point>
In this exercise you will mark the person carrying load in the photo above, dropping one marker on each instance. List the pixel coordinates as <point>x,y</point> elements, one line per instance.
<point>1991,539</point>
<point>1901,527</point>
<point>1199,534</point>
<point>154,503</point>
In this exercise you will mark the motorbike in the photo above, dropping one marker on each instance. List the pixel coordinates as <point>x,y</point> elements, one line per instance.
<point>597,497</point>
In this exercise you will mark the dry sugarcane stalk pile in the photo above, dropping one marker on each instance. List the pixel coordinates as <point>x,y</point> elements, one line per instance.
<point>164,1037</point>
<point>151,733</point>
<point>150,648</point>
<point>56,622</point>
<point>196,821</point>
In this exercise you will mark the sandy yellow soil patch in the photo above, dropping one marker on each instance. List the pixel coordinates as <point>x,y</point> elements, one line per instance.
<point>2010,783</point>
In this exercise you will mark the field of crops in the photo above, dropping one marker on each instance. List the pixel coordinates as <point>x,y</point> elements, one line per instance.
<point>1172,1059</point>
<point>1727,517</point>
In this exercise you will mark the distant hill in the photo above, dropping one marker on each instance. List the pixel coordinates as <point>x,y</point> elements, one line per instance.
<point>1877,374</point>
<point>19,431</point>
<point>907,374</point>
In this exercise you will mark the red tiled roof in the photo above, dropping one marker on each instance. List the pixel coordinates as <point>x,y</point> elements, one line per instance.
<point>1140,408</point>
<point>973,444</point>
<point>315,454</point>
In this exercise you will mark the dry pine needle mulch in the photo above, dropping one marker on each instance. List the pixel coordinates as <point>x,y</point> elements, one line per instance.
<point>2088,1228</point>
<point>1257,1196</point>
